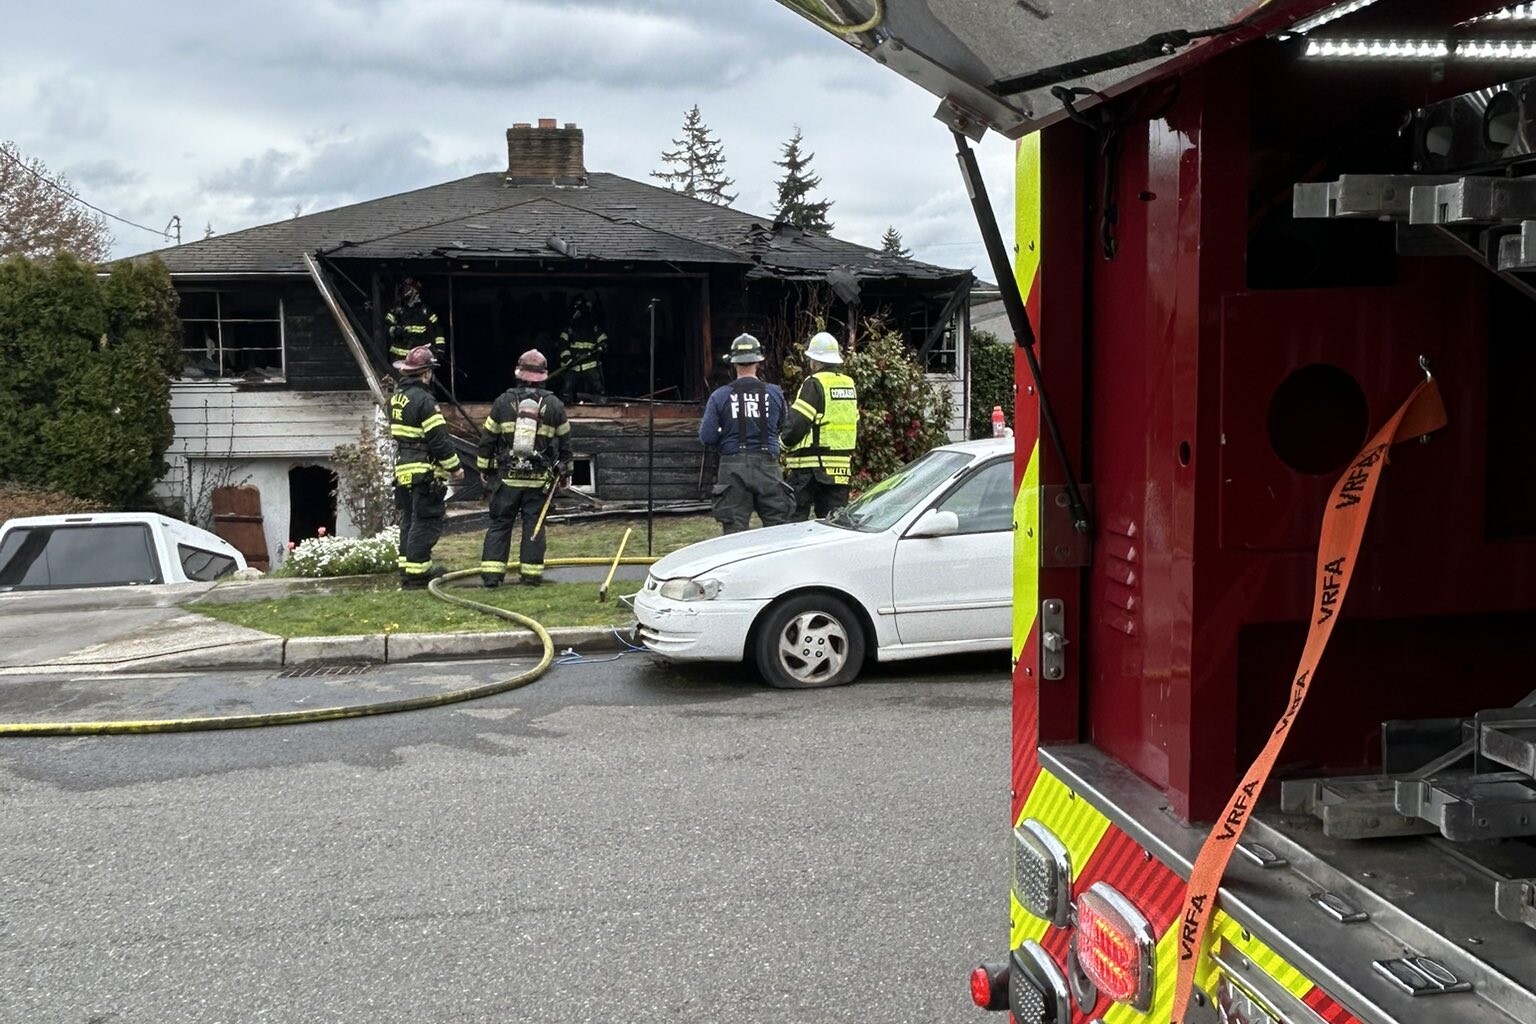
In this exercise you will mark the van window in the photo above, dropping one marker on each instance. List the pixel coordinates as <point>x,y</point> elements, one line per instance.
<point>204,566</point>
<point>88,555</point>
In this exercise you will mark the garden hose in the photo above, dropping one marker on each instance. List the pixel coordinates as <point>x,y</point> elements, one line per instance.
<point>251,721</point>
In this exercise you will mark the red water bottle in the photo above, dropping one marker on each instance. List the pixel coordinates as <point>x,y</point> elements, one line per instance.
<point>999,428</point>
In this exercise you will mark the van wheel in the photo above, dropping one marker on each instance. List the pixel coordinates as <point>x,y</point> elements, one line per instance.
<point>810,641</point>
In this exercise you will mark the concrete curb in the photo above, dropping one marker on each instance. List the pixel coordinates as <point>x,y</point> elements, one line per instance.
<point>276,652</point>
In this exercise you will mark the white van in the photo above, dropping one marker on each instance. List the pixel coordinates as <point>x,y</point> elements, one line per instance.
<point>109,549</point>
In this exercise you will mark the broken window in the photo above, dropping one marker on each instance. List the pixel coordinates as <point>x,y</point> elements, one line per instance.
<point>232,335</point>
<point>944,355</point>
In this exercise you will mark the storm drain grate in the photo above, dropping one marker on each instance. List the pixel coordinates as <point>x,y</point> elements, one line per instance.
<point>323,670</point>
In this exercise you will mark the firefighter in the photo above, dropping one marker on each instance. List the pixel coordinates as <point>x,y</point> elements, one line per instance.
<point>410,323</point>
<point>821,433</point>
<point>425,463</point>
<point>742,421</point>
<point>524,457</point>
<point>582,346</point>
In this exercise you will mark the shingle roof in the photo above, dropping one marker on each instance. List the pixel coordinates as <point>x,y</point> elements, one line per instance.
<point>609,219</point>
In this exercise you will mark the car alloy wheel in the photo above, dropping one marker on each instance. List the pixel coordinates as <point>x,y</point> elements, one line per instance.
<point>810,641</point>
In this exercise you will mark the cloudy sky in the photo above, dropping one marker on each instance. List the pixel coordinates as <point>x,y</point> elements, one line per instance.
<point>235,115</point>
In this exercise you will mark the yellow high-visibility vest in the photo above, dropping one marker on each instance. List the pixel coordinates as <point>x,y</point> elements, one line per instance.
<point>834,429</point>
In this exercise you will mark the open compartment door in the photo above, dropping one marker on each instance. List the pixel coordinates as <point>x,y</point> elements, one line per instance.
<point>993,64</point>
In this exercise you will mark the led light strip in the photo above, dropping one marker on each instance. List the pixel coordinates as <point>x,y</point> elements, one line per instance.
<point>1378,48</point>
<point>1489,49</point>
<point>1333,13</point>
<point>1423,49</point>
<point>1515,12</point>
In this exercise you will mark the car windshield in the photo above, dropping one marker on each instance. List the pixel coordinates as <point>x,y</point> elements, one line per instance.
<point>883,505</point>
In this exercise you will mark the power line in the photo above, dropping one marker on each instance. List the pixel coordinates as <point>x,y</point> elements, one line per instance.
<point>60,188</point>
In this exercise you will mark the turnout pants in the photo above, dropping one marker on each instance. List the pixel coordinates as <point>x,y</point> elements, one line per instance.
<point>814,490</point>
<point>421,524</point>
<point>748,482</point>
<point>582,382</point>
<point>510,504</point>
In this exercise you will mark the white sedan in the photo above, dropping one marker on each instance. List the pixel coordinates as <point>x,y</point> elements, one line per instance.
<point>920,564</point>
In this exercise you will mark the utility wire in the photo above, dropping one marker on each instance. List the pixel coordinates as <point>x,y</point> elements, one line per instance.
<point>60,188</point>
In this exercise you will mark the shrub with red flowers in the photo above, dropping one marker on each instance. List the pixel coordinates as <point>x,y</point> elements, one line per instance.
<point>902,414</point>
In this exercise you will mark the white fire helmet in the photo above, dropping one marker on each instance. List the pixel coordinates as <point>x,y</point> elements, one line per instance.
<point>823,349</point>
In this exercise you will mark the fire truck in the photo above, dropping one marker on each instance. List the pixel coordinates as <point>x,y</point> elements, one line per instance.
<point>1274,762</point>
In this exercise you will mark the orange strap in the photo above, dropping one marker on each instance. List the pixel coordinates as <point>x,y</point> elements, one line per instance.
<point>1343,527</point>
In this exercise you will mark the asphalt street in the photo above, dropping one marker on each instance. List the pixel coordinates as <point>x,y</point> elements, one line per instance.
<point>620,841</point>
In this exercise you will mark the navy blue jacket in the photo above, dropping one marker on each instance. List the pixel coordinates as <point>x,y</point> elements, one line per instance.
<point>745,415</point>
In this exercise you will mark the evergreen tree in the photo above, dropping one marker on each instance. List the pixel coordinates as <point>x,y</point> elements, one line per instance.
<point>890,244</point>
<point>795,205</point>
<point>696,167</point>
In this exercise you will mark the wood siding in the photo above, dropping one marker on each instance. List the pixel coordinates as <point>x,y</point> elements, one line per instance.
<point>228,421</point>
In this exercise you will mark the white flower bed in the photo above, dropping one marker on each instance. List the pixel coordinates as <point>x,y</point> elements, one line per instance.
<point>344,556</point>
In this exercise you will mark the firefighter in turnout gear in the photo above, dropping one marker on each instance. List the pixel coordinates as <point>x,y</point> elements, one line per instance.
<point>821,433</point>
<point>742,420</point>
<point>525,454</point>
<point>425,462</point>
<point>410,323</point>
<point>582,347</point>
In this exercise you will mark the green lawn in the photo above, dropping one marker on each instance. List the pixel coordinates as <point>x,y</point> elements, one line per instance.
<point>387,609</point>
<point>384,608</point>
<point>596,539</point>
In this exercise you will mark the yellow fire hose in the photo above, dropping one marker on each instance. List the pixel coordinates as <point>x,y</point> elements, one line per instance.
<point>345,711</point>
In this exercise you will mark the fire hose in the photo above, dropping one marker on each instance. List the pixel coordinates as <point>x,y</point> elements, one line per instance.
<point>331,714</point>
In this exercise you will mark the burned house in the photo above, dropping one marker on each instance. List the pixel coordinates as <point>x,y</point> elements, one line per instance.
<point>286,347</point>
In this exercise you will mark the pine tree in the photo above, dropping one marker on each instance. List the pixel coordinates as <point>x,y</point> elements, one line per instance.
<point>795,206</point>
<point>696,167</point>
<point>890,244</point>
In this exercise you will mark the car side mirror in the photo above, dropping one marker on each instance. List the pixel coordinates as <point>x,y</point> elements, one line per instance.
<point>935,523</point>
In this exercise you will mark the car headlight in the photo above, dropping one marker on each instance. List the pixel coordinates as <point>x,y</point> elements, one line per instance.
<point>690,590</point>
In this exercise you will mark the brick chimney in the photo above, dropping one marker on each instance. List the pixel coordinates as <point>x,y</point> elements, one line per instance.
<point>545,154</point>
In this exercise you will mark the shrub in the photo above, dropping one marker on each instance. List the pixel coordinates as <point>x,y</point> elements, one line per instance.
<point>85,399</point>
<point>17,501</point>
<point>901,413</point>
<point>991,381</point>
<point>343,556</point>
<point>365,478</point>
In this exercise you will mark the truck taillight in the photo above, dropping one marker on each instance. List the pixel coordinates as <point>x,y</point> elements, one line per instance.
<point>1114,946</point>
<point>1042,873</point>
<point>989,986</point>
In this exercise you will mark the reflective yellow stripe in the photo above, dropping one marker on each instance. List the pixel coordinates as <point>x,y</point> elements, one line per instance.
<point>1026,553</point>
<point>1266,959</point>
<point>544,431</point>
<point>804,408</point>
<point>530,569</point>
<point>401,430</point>
<point>482,463</point>
<point>494,568</point>
<point>451,462</point>
<point>435,420</point>
<point>524,481</point>
<point>490,426</point>
<point>563,429</point>
<point>1075,822</point>
<point>417,568</point>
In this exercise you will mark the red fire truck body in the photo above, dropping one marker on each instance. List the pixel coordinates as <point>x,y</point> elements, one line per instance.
<point>1244,235</point>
